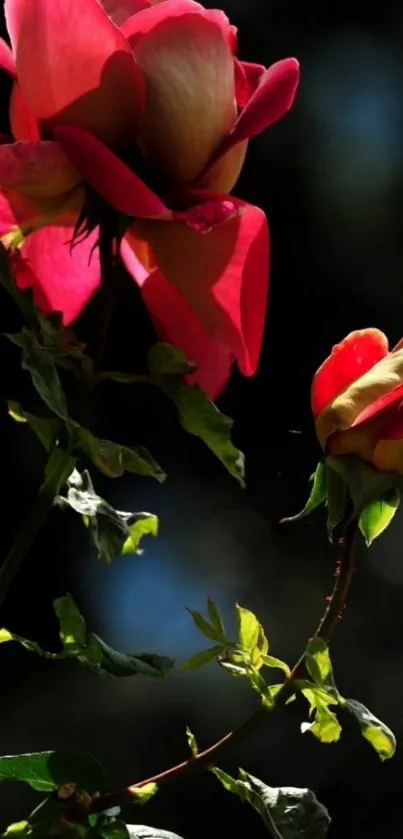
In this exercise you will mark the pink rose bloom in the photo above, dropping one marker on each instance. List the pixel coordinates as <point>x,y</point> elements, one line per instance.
<point>146,107</point>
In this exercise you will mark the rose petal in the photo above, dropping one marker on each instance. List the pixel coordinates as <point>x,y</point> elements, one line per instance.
<point>175,322</point>
<point>247,78</point>
<point>23,123</point>
<point>120,10</point>
<point>108,175</point>
<point>272,99</point>
<point>365,392</point>
<point>349,360</point>
<point>7,62</point>
<point>184,53</point>
<point>37,183</point>
<point>62,278</point>
<point>75,66</point>
<point>223,276</point>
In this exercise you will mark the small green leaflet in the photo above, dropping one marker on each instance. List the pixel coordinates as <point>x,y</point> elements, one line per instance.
<point>287,812</point>
<point>47,771</point>
<point>375,731</point>
<point>318,662</point>
<point>248,628</point>
<point>203,657</point>
<point>143,793</point>
<point>191,741</point>
<point>113,532</point>
<point>198,415</point>
<point>325,725</point>
<point>90,650</point>
<point>317,495</point>
<point>377,515</point>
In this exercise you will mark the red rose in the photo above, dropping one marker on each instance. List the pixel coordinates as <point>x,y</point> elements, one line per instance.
<point>98,85</point>
<point>357,400</point>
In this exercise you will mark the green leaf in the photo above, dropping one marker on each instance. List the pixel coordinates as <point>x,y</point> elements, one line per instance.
<point>204,626</point>
<point>114,459</point>
<point>191,742</point>
<point>287,812</point>
<point>166,360</point>
<point>377,515</point>
<point>42,368</point>
<point>113,532</point>
<point>325,725</point>
<point>45,428</point>
<point>72,631</point>
<point>203,657</point>
<point>337,496</point>
<point>318,661</point>
<point>317,495</point>
<point>144,793</point>
<point>145,524</point>
<point>90,650</point>
<point>17,830</point>
<point>248,628</point>
<point>45,771</point>
<point>197,413</point>
<point>105,660</point>
<point>270,661</point>
<point>115,830</point>
<point>258,683</point>
<point>216,617</point>
<point>374,730</point>
<point>364,482</point>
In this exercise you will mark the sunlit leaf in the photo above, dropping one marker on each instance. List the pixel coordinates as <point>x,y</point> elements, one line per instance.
<point>318,662</point>
<point>374,730</point>
<point>198,415</point>
<point>270,661</point>
<point>325,725</point>
<point>317,495</point>
<point>144,793</point>
<point>378,514</point>
<point>287,812</point>
<point>248,628</point>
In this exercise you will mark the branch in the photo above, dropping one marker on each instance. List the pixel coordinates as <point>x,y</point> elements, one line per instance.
<point>210,756</point>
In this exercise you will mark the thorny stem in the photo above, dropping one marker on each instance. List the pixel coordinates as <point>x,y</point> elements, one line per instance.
<point>208,757</point>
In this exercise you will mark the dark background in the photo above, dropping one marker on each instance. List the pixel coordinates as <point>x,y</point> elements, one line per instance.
<point>330,177</point>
